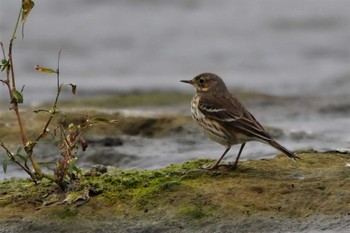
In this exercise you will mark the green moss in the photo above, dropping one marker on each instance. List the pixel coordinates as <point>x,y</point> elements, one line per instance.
<point>195,212</point>
<point>68,212</point>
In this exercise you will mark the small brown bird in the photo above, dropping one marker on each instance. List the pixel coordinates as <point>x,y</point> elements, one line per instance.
<point>224,119</point>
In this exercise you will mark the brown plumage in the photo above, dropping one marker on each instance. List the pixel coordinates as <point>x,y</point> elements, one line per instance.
<point>224,119</point>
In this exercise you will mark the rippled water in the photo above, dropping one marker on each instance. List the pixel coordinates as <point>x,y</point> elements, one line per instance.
<point>285,48</point>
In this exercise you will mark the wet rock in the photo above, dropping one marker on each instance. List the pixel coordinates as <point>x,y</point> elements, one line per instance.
<point>299,135</point>
<point>275,132</point>
<point>96,170</point>
<point>107,142</point>
<point>339,108</point>
<point>106,156</point>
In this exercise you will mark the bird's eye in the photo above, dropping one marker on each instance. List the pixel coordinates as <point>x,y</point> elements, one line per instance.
<point>201,81</point>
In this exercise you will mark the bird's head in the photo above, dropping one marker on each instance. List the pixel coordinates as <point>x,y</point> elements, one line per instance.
<point>207,82</point>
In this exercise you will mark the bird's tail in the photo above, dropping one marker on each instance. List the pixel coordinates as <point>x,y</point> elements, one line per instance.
<point>283,149</point>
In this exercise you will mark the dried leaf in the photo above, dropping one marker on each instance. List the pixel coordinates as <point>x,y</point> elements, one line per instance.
<point>41,110</point>
<point>74,88</point>
<point>27,6</point>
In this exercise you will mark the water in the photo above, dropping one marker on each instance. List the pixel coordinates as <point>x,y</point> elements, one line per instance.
<point>286,48</point>
<point>282,47</point>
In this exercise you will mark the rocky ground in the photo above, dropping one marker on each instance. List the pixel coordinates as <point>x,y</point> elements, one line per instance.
<point>276,195</point>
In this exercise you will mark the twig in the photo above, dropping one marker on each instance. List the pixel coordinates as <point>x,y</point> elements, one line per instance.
<point>13,159</point>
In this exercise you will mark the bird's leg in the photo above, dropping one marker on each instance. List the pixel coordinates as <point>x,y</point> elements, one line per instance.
<point>231,166</point>
<point>239,154</point>
<point>216,165</point>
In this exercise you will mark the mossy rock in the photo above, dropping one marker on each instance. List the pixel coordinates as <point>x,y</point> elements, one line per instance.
<point>261,195</point>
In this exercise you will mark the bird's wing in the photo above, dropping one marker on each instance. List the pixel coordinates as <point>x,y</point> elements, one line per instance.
<point>232,114</point>
<point>219,108</point>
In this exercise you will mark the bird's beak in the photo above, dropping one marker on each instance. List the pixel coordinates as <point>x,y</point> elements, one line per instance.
<point>186,81</point>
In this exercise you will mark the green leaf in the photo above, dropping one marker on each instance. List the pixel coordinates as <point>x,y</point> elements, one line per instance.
<point>4,64</point>
<point>22,157</point>
<point>19,150</point>
<point>76,169</point>
<point>27,6</point>
<point>5,163</point>
<point>17,97</point>
<point>47,164</point>
<point>44,69</point>
<point>19,154</point>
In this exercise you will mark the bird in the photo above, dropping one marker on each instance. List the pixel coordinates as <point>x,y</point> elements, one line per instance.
<point>224,119</point>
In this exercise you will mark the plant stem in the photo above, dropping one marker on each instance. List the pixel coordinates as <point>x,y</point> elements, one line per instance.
<point>24,136</point>
<point>10,47</point>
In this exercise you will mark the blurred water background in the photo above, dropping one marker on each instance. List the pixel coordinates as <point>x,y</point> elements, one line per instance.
<point>293,48</point>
